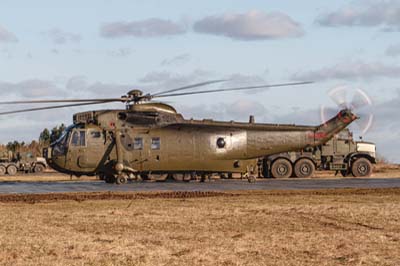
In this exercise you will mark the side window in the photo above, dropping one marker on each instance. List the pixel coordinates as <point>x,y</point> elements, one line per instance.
<point>75,139</point>
<point>82,138</point>
<point>155,143</point>
<point>138,144</point>
<point>95,134</point>
<point>78,138</point>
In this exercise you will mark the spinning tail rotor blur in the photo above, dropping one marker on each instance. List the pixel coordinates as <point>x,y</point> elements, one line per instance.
<point>360,104</point>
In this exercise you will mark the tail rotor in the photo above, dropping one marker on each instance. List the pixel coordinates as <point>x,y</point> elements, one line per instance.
<point>360,104</point>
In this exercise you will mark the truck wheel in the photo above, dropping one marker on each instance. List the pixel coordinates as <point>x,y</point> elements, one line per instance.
<point>361,168</point>
<point>38,168</point>
<point>3,170</point>
<point>281,168</point>
<point>12,170</point>
<point>304,168</point>
<point>344,173</point>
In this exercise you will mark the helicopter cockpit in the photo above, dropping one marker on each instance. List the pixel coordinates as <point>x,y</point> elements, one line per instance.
<point>79,149</point>
<point>70,136</point>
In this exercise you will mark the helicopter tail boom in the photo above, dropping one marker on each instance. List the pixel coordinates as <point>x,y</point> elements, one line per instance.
<point>333,126</point>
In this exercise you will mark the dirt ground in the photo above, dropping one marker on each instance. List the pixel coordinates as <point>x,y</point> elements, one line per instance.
<point>332,227</point>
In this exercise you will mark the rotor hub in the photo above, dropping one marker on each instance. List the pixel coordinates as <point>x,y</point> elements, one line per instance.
<point>136,96</point>
<point>135,93</point>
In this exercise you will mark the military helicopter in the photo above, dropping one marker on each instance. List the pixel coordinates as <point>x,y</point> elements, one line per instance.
<point>150,139</point>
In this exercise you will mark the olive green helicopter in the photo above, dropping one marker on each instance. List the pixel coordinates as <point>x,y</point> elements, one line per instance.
<point>151,140</point>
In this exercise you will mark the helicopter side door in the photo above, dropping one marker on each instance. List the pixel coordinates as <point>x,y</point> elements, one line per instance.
<point>76,147</point>
<point>86,149</point>
<point>134,145</point>
<point>95,149</point>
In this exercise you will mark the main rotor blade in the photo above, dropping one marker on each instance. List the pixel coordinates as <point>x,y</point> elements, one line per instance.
<point>234,89</point>
<point>66,101</point>
<point>50,107</point>
<point>191,86</point>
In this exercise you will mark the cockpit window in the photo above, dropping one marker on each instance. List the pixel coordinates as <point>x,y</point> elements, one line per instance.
<point>78,138</point>
<point>60,146</point>
<point>65,134</point>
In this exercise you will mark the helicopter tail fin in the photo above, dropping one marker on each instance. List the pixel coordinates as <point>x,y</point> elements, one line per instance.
<point>333,126</point>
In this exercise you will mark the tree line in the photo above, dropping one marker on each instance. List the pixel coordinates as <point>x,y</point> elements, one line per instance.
<point>35,146</point>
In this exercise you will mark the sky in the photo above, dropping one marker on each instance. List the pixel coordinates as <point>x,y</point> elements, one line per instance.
<point>69,49</point>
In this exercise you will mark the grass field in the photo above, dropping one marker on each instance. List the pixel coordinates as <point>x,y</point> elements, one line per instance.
<point>334,227</point>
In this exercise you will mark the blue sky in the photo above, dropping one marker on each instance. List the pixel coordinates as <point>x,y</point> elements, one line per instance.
<point>72,49</point>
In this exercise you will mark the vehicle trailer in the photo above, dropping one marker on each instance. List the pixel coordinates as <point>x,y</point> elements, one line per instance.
<point>11,163</point>
<point>341,154</point>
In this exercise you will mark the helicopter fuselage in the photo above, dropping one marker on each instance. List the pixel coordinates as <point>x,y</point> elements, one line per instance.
<point>153,138</point>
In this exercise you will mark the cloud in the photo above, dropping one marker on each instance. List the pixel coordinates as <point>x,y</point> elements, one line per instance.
<point>29,89</point>
<point>253,25</point>
<point>6,36</point>
<point>81,87</point>
<point>152,27</point>
<point>164,80</point>
<point>59,36</point>
<point>238,110</point>
<point>393,50</point>
<point>242,80</point>
<point>121,52</point>
<point>385,14</point>
<point>350,71</point>
<point>176,61</point>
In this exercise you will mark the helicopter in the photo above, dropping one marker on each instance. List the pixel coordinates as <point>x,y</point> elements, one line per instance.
<point>151,140</point>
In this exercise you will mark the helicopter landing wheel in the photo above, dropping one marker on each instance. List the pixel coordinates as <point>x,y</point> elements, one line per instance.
<point>121,179</point>
<point>251,179</point>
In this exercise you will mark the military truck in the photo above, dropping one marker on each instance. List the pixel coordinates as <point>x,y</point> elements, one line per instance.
<point>11,163</point>
<point>341,154</point>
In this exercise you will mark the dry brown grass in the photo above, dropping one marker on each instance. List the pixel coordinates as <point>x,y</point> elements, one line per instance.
<point>44,177</point>
<point>260,228</point>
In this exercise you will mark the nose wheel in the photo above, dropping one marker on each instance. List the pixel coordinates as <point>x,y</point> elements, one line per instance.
<point>120,180</point>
